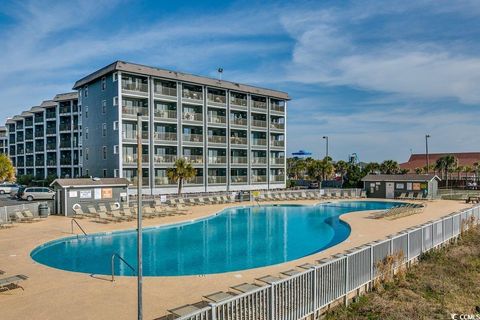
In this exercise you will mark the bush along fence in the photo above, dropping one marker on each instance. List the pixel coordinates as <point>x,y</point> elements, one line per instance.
<point>311,289</point>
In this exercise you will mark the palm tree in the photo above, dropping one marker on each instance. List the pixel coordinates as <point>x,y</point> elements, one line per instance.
<point>418,170</point>
<point>372,167</point>
<point>389,167</point>
<point>446,164</point>
<point>341,168</point>
<point>182,171</point>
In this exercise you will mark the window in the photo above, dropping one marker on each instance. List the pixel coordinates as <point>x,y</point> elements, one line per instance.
<point>115,101</point>
<point>115,125</point>
<point>86,133</point>
<point>104,83</point>
<point>86,172</point>
<point>86,157</point>
<point>104,106</point>
<point>85,91</point>
<point>104,152</point>
<point>115,173</point>
<point>104,130</point>
<point>115,149</point>
<point>115,77</point>
<point>86,112</point>
<point>104,173</point>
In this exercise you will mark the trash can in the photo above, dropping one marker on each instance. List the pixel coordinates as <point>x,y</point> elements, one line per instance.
<point>43,210</point>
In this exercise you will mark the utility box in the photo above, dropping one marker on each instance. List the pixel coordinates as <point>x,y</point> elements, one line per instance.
<point>84,192</point>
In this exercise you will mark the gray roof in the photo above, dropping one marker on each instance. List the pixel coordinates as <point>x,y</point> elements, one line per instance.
<point>400,177</point>
<point>88,182</point>
<point>66,96</point>
<point>48,103</point>
<point>185,77</point>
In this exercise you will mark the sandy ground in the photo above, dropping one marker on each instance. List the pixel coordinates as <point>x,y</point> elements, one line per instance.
<point>56,294</point>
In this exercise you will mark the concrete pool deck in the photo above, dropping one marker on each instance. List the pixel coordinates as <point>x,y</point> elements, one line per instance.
<point>56,294</point>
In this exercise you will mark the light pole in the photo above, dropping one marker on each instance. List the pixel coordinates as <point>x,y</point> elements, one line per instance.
<point>139,217</point>
<point>326,139</point>
<point>426,153</point>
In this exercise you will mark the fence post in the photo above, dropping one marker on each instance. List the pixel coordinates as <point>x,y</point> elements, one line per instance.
<point>408,247</point>
<point>421,249</point>
<point>314,270</point>
<point>372,267</point>
<point>346,280</point>
<point>213,307</point>
<point>272,302</point>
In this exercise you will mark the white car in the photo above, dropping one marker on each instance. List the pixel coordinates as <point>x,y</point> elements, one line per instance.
<point>37,193</point>
<point>6,188</point>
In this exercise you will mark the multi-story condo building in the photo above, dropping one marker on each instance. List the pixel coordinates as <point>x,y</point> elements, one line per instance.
<point>46,140</point>
<point>3,140</point>
<point>233,134</point>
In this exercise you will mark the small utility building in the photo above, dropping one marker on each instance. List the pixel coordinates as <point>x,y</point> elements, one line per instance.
<point>393,185</point>
<point>71,193</point>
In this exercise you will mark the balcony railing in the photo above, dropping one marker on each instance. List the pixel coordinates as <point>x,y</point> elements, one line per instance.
<point>29,136</point>
<point>277,143</point>
<point>196,159</point>
<point>238,140</point>
<point>133,111</point>
<point>259,105</point>
<point>239,179</point>
<point>217,119</point>
<point>239,121</point>
<point>277,160</point>
<point>28,150</point>
<point>194,95</point>
<point>134,181</point>
<point>51,162</point>
<point>217,139</point>
<point>279,126</point>
<point>165,91</point>
<point>39,162</point>
<point>51,130</point>
<point>38,134</point>
<point>65,144</point>
<point>239,160</point>
<point>65,161</point>
<point>165,136</point>
<point>217,179</point>
<point>50,115</point>
<point>166,114</point>
<point>132,135</point>
<point>134,86</point>
<point>20,139</point>
<point>29,164</point>
<point>259,142</point>
<point>277,107</point>
<point>217,159</point>
<point>257,179</point>
<point>192,116</point>
<point>39,148</point>
<point>195,180</point>
<point>216,98</point>
<point>166,158</point>
<point>238,102</point>
<point>65,127</point>
<point>132,158</point>
<point>259,160</point>
<point>259,123</point>
<point>39,120</point>
<point>29,123</point>
<point>277,178</point>
<point>65,109</point>
<point>162,181</point>
<point>192,137</point>
<point>51,146</point>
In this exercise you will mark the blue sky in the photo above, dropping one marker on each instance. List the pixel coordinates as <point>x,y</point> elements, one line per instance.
<point>374,76</point>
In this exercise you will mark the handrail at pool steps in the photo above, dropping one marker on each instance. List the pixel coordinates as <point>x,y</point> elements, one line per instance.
<point>78,225</point>
<point>121,260</point>
<point>313,287</point>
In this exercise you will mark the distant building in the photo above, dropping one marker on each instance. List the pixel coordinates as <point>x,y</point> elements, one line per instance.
<point>419,160</point>
<point>393,185</point>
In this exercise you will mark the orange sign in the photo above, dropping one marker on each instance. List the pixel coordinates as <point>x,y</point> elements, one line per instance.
<point>107,193</point>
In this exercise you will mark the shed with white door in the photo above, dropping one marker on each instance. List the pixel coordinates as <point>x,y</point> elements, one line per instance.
<point>392,186</point>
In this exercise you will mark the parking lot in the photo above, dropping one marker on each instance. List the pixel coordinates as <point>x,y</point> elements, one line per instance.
<point>6,200</point>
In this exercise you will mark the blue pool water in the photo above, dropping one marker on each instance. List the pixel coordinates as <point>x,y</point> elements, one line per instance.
<point>235,239</point>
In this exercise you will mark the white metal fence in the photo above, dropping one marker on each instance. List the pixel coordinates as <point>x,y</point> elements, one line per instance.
<point>303,294</point>
<point>7,212</point>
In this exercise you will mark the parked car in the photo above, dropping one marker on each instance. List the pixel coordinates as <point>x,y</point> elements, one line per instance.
<point>6,188</point>
<point>36,193</point>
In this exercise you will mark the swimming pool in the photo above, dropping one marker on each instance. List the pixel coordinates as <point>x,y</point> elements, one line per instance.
<point>235,239</point>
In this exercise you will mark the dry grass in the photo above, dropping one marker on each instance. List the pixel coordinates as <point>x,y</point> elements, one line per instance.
<point>445,281</point>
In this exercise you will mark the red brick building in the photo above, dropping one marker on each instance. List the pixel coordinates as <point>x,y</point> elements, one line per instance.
<point>419,160</point>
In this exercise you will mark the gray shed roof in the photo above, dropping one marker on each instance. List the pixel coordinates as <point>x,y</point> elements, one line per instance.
<point>400,177</point>
<point>88,182</point>
<point>185,77</point>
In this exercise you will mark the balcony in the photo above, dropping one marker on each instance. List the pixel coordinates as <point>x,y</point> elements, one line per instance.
<point>277,161</point>
<point>278,126</point>
<point>51,130</point>
<point>214,119</point>
<point>259,142</point>
<point>39,148</point>
<point>259,105</point>
<point>187,137</point>
<point>145,181</point>
<point>19,139</point>
<point>277,107</point>
<point>217,159</point>
<point>192,95</point>
<point>38,119</point>
<point>29,136</point>
<point>192,116</point>
<point>65,144</point>
<point>29,150</point>
<point>39,162</point>
<point>195,159</point>
<point>277,178</point>
<point>64,110</point>
<point>51,115</point>
<point>65,127</point>
<point>29,164</point>
<point>51,146</point>
<point>51,162</point>
<point>132,135</point>
<point>217,179</point>
<point>133,111</point>
<point>165,91</point>
<point>166,158</point>
<point>238,140</point>
<point>239,160</point>
<point>217,139</point>
<point>277,143</point>
<point>66,162</point>
<point>259,123</point>
<point>259,179</point>
<point>238,121</point>
<point>195,180</point>
<point>162,181</point>
<point>238,179</point>
<point>165,114</point>
<point>165,136</point>
<point>238,102</point>
<point>137,87</point>
<point>132,158</point>
<point>39,134</point>
<point>28,123</point>
<point>259,160</point>
<point>216,99</point>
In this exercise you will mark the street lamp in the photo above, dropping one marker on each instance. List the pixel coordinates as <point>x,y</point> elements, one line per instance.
<point>326,138</point>
<point>426,152</point>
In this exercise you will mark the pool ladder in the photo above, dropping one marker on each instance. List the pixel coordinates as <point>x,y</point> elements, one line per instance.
<point>121,260</point>
<point>78,225</point>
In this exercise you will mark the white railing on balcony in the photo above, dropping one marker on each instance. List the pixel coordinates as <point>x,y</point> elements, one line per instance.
<point>279,126</point>
<point>195,180</point>
<point>214,119</point>
<point>259,105</point>
<point>239,160</point>
<point>277,160</point>
<point>239,179</point>
<point>194,95</point>
<point>132,158</point>
<point>165,91</point>
<point>133,111</point>
<point>277,178</point>
<point>239,121</point>
<point>217,139</point>
<point>216,98</point>
<point>162,181</point>
<point>192,116</point>
<point>238,102</point>
<point>277,107</point>
<point>196,159</point>
<point>134,86</point>
<point>165,136</point>
<point>132,135</point>
<point>217,159</point>
<point>256,179</point>
<point>165,114</point>
<point>259,123</point>
<point>259,142</point>
<point>259,160</point>
<point>217,179</point>
<point>165,158</point>
<point>190,137</point>
<point>277,143</point>
<point>238,140</point>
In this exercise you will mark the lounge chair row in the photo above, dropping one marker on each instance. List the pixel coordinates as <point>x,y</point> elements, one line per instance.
<point>25,216</point>
<point>12,282</point>
<point>401,210</point>
<point>306,195</point>
<point>412,196</point>
<point>199,201</point>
